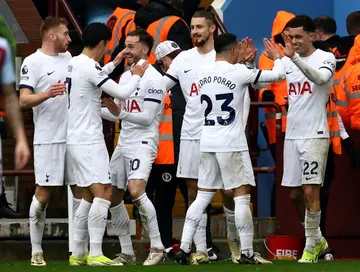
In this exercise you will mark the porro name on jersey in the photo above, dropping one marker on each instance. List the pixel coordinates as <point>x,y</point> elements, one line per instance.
<point>218,80</point>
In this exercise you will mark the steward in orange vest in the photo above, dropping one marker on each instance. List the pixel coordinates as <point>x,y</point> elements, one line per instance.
<point>163,178</point>
<point>160,30</point>
<point>342,96</point>
<point>163,21</point>
<point>121,22</point>
<point>276,91</point>
<point>344,49</point>
<point>350,84</point>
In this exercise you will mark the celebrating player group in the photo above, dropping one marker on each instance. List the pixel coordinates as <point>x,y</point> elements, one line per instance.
<point>214,76</point>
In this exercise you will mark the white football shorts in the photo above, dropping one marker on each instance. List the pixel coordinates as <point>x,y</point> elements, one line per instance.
<point>189,159</point>
<point>130,163</point>
<point>304,161</point>
<point>225,170</point>
<point>49,165</point>
<point>90,164</point>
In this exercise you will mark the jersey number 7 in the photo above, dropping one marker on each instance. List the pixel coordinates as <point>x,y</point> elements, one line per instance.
<point>68,87</point>
<point>228,97</point>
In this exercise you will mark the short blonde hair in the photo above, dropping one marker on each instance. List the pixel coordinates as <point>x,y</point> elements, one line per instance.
<point>51,22</point>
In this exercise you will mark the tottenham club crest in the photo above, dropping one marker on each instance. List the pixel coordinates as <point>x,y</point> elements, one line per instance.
<point>24,70</point>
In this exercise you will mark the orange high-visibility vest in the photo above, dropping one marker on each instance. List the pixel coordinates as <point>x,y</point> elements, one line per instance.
<point>341,98</point>
<point>280,92</point>
<point>165,153</point>
<point>278,88</point>
<point>120,18</point>
<point>333,124</point>
<point>159,30</point>
<point>351,86</point>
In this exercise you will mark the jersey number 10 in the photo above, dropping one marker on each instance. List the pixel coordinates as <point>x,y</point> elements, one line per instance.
<point>68,87</point>
<point>228,97</point>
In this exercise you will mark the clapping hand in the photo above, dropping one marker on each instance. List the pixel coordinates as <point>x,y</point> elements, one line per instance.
<point>114,108</point>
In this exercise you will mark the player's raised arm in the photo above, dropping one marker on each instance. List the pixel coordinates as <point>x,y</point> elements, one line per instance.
<point>319,75</point>
<point>28,80</point>
<point>100,78</point>
<point>261,78</point>
<point>171,76</point>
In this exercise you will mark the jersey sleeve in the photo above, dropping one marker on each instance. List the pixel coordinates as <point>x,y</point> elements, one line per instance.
<point>155,92</point>
<point>109,67</point>
<point>329,62</point>
<point>256,76</point>
<point>7,69</point>
<point>318,75</point>
<point>97,75</point>
<point>152,105</point>
<point>28,75</point>
<point>171,77</point>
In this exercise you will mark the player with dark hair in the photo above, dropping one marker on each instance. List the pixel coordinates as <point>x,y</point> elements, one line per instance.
<point>85,140</point>
<point>225,162</point>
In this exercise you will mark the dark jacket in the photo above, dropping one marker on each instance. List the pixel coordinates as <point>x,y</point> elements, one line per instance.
<point>340,46</point>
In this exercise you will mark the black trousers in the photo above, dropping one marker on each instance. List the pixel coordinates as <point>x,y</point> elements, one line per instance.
<point>161,189</point>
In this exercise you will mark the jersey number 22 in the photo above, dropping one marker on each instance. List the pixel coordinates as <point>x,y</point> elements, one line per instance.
<point>228,97</point>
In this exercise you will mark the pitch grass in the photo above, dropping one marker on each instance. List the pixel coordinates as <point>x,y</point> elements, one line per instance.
<point>288,266</point>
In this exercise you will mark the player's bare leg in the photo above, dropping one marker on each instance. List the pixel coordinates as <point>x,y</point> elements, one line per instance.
<point>297,199</point>
<point>201,255</point>
<point>148,216</point>
<point>37,216</point>
<point>121,224</point>
<point>192,221</point>
<point>315,242</point>
<point>232,234</point>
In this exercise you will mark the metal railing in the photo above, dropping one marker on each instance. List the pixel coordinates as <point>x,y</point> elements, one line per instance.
<point>67,9</point>
<point>17,172</point>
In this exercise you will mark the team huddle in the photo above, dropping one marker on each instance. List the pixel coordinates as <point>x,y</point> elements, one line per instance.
<point>214,76</point>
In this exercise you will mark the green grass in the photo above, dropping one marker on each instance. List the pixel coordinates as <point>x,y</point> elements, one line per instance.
<point>288,266</point>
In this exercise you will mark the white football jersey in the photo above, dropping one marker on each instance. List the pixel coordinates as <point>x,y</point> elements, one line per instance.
<point>151,88</point>
<point>7,73</point>
<point>184,69</point>
<point>306,116</point>
<point>225,102</point>
<point>38,72</point>
<point>84,79</point>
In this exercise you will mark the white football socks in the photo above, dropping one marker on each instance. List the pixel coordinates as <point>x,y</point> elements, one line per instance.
<point>37,217</point>
<point>121,224</point>
<point>194,215</point>
<point>148,217</point>
<point>97,224</point>
<point>244,224</point>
